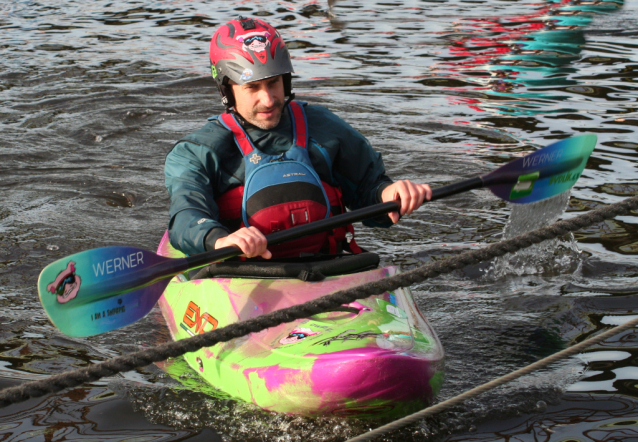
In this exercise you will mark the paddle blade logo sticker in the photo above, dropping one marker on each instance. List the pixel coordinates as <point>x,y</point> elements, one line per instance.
<point>298,334</point>
<point>564,178</point>
<point>524,186</point>
<point>66,285</point>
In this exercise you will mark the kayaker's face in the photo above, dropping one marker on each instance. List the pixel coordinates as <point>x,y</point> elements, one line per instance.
<point>260,102</point>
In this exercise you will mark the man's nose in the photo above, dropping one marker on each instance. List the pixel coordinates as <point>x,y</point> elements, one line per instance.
<point>266,97</point>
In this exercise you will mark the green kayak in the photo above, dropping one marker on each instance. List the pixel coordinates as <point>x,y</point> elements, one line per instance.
<point>374,357</point>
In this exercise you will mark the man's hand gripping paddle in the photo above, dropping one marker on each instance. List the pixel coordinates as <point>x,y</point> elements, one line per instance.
<point>99,290</point>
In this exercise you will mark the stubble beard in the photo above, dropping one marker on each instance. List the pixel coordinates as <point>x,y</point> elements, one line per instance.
<point>266,124</point>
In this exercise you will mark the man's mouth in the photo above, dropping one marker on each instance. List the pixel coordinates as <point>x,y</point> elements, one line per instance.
<point>267,113</point>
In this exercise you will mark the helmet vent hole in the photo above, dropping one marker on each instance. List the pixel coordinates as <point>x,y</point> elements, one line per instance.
<point>236,67</point>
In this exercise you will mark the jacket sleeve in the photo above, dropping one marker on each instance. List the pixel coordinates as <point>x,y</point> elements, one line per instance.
<point>356,166</point>
<point>193,211</point>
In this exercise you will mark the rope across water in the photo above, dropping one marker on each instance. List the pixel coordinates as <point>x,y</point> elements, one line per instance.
<point>162,352</point>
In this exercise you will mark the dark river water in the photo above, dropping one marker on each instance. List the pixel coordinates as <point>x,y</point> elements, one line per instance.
<point>93,94</point>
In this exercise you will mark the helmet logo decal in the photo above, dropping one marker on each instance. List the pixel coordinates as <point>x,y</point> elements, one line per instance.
<point>246,75</point>
<point>213,71</point>
<point>257,42</point>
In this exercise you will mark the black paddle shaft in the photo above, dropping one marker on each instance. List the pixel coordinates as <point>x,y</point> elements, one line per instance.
<point>454,188</point>
<point>330,223</point>
<point>298,232</point>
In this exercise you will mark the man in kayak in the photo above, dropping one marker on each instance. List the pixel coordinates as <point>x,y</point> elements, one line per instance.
<point>270,163</point>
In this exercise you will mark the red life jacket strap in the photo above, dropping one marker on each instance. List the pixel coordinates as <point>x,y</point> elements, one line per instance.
<point>300,123</point>
<point>241,137</point>
<point>246,145</point>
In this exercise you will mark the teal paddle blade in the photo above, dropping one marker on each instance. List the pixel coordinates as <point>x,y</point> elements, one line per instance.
<point>103,289</point>
<point>544,173</point>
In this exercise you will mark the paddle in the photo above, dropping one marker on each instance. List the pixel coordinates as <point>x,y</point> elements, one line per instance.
<point>99,290</point>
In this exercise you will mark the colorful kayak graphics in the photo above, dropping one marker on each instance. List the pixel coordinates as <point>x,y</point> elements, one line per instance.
<point>374,357</point>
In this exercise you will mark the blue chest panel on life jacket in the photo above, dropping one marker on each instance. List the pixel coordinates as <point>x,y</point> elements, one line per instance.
<point>280,191</point>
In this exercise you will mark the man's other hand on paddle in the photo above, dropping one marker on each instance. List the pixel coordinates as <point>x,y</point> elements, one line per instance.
<point>408,195</point>
<point>250,240</point>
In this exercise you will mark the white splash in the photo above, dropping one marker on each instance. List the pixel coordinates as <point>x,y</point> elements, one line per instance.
<point>549,257</point>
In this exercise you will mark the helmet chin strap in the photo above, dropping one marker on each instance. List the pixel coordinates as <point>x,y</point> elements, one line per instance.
<point>239,118</point>
<point>290,98</point>
<point>228,99</point>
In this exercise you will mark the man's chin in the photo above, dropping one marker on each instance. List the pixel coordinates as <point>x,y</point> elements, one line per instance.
<point>266,124</point>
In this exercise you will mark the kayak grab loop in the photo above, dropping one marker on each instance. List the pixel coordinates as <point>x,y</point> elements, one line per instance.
<point>162,352</point>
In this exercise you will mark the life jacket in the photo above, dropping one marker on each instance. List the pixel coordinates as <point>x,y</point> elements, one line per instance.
<point>283,191</point>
